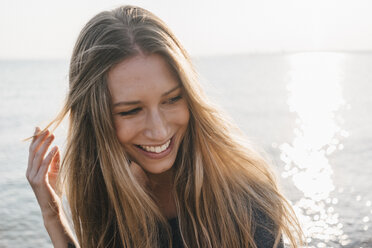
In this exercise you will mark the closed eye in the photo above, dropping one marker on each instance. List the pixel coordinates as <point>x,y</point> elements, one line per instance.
<point>174,99</point>
<point>130,112</point>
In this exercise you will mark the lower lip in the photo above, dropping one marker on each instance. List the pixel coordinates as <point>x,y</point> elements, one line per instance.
<point>160,155</point>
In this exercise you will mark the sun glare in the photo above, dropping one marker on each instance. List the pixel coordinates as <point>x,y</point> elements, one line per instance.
<point>315,96</point>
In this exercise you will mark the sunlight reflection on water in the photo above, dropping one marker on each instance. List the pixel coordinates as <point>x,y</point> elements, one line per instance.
<point>315,96</point>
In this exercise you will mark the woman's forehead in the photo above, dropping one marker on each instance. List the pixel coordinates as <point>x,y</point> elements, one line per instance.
<point>141,75</point>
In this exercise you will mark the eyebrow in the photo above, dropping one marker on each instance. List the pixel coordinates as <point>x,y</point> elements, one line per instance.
<point>137,102</point>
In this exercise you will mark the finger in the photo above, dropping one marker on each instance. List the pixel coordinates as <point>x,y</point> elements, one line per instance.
<point>54,168</point>
<point>43,148</point>
<point>39,155</point>
<point>37,130</point>
<point>34,146</point>
<point>53,171</point>
<point>45,164</point>
<point>37,134</point>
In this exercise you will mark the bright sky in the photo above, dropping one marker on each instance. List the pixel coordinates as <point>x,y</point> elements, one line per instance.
<point>34,29</point>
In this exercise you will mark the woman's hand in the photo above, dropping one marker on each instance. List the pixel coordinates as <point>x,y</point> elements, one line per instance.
<point>42,172</point>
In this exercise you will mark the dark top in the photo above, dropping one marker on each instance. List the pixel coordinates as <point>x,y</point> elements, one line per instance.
<point>262,237</point>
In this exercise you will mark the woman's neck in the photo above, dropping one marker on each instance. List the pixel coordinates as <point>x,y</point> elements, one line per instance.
<point>161,186</point>
<point>161,181</point>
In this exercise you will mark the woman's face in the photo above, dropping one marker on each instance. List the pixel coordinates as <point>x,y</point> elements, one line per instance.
<point>149,111</point>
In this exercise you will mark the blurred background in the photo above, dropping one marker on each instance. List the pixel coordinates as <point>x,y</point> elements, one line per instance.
<point>295,75</point>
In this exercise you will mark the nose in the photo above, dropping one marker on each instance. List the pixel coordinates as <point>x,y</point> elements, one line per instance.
<point>156,126</point>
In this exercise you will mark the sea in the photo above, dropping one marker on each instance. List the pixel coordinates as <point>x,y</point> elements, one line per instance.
<point>309,114</point>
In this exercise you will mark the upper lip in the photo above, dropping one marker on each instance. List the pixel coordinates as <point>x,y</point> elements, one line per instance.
<point>157,144</point>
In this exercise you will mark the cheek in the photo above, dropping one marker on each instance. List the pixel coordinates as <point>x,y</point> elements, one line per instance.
<point>125,131</point>
<point>183,115</point>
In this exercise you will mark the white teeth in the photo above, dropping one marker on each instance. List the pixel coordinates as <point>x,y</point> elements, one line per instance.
<point>156,149</point>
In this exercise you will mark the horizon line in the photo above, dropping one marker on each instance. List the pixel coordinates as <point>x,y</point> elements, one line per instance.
<point>244,53</point>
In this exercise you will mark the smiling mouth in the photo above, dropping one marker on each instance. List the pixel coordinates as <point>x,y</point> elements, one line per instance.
<point>155,149</point>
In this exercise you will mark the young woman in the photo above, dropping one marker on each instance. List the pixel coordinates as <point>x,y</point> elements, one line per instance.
<point>149,162</point>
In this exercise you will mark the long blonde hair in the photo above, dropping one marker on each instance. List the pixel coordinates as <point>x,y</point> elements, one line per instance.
<point>222,187</point>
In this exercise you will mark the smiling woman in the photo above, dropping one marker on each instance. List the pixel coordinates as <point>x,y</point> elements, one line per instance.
<point>149,162</point>
<point>150,114</point>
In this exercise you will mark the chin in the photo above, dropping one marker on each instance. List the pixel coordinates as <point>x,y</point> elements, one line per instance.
<point>157,169</point>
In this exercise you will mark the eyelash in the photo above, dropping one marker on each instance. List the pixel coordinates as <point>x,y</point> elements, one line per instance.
<point>174,99</point>
<point>136,110</point>
<point>130,112</point>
